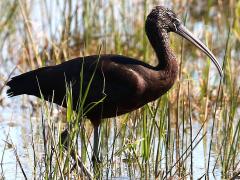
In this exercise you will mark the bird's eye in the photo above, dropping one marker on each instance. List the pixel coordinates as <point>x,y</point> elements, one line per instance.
<point>175,27</point>
<point>177,21</point>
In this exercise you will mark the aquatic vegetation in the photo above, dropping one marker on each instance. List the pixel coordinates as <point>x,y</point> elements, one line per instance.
<point>193,131</point>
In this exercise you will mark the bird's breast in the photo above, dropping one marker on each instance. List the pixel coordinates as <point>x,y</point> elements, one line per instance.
<point>160,82</point>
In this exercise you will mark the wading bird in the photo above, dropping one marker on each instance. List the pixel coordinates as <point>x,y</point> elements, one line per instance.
<point>122,83</point>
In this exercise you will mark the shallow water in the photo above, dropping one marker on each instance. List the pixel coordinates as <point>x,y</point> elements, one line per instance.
<point>15,126</point>
<point>16,114</point>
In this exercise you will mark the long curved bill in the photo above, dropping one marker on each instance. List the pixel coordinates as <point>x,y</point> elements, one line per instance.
<point>184,32</point>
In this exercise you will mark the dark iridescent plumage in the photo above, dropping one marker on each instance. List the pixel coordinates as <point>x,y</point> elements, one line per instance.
<point>126,83</point>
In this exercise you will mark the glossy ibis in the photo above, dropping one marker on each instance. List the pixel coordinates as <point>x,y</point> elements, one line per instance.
<point>126,83</point>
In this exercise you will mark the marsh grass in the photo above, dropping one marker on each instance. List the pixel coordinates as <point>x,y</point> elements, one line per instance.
<point>160,139</point>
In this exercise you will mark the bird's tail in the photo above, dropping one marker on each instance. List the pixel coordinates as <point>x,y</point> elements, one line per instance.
<point>22,84</point>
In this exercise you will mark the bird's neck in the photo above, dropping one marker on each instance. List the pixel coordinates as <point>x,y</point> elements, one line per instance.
<point>166,71</point>
<point>159,40</point>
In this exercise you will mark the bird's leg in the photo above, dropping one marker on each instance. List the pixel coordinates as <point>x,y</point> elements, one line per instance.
<point>65,139</point>
<point>96,142</point>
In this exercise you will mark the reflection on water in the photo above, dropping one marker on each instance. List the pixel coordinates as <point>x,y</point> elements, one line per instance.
<point>16,113</point>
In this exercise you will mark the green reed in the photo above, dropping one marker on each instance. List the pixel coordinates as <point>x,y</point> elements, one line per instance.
<point>159,140</point>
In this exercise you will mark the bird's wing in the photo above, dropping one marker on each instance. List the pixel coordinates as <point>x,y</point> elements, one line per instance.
<point>116,83</point>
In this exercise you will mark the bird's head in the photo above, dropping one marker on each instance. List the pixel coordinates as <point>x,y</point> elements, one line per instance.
<point>165,20</point>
